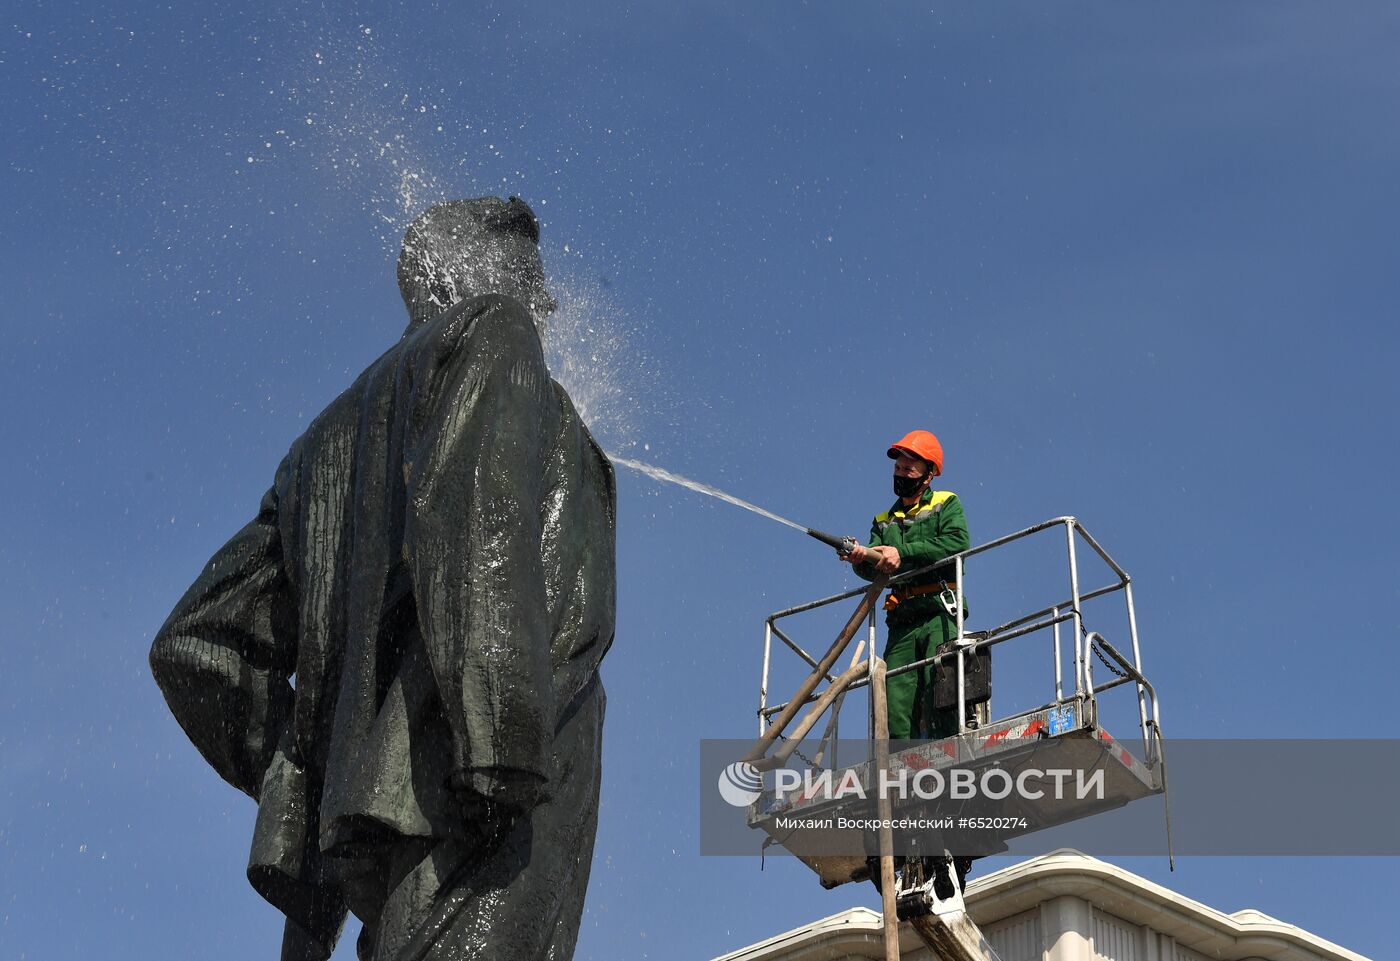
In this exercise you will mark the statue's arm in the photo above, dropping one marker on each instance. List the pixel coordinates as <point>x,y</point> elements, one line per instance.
<point>479,436</point>
<point>224,656</point>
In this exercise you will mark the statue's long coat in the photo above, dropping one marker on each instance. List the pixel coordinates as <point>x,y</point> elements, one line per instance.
<point>435,565</point>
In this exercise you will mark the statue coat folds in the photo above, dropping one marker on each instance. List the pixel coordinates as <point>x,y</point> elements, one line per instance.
<point>433,567</point>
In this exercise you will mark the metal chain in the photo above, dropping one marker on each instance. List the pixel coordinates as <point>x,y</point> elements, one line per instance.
<point>810,763</point>
<point>1098,651</point>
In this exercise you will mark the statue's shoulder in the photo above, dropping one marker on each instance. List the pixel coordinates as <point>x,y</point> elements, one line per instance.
<point>477,322</point>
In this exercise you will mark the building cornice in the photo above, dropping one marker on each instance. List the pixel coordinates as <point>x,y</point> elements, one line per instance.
<point>1243,936</point>
<point>1231,937</point>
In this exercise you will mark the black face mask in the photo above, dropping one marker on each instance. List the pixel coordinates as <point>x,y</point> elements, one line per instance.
<point>908,486</point>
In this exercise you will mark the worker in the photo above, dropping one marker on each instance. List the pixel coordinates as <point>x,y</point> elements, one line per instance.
<point>921,527</point>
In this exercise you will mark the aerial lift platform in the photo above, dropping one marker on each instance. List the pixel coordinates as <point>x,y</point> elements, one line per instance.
<point>925,888</point>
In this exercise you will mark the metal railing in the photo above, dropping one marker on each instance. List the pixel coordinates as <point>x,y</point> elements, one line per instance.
<point>858,675</point>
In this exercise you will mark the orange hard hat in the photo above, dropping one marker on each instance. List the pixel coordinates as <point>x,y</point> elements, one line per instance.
<point>920,444</point>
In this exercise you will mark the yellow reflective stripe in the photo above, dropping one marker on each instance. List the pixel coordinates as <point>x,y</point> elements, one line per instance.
<point>940,498</point>
<point>936,499</point>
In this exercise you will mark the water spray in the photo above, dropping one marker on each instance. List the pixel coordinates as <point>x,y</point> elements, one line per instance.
<point>842,545</point>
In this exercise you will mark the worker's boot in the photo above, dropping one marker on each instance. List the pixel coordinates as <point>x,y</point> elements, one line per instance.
<point>942,879</point>
<point>872,867</point>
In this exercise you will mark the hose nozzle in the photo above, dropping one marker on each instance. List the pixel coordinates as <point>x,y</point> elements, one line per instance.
<point>842,545</point>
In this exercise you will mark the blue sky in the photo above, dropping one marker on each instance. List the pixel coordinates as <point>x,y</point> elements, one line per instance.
<point>1133,264</point>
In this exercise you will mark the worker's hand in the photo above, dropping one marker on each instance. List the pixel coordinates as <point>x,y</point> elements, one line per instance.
<point>858,555</point>
<point>886,559</point>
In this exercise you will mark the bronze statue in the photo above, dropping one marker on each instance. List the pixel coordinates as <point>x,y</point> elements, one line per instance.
<point>434,565</point>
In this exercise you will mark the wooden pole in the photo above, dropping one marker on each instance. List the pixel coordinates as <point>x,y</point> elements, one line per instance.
<point>820,671</point>
<point>832,691</point>
<point>883,807</point>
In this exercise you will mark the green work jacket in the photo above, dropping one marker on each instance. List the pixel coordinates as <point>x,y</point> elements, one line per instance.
<point>933,529</point>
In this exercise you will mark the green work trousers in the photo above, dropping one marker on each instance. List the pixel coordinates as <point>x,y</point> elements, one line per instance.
<point>909,696</point>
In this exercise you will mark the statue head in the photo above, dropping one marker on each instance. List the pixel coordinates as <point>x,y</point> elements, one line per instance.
<point>465,248</point>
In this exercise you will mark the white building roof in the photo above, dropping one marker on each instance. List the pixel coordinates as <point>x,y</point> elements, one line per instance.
<point>1198,928</point>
